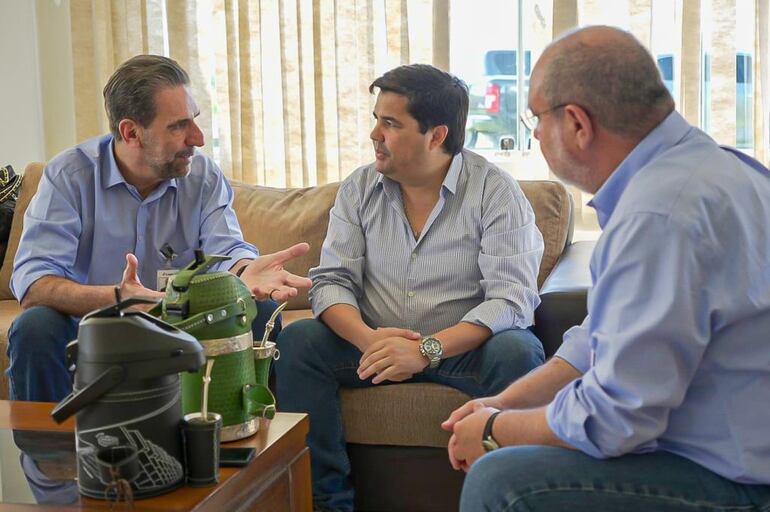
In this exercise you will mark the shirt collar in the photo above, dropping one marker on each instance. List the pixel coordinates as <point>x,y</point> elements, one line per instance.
<point>115,177</point>
<point>668,133</point>
<point>450,180</point>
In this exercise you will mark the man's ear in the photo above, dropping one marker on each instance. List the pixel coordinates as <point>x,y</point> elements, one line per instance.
<point>438,136</point>
<point>580,124</point>
<point>130,132</point>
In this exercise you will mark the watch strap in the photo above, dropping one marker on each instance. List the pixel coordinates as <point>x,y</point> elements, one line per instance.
<point>487,440</point>
<point>240,270</point>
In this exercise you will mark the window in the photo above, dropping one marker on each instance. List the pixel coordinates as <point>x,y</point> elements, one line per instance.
<point>744,80</point>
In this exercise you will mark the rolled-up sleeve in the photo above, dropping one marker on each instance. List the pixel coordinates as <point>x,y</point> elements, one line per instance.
<point>509,260</point>
<point>339,276</point>
<point>50,239</point>
<point>220,231</point>
<point>576,346</point>
<point>649,327</point>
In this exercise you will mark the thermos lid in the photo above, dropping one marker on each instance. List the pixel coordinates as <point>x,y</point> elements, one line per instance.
<point>112,335</point>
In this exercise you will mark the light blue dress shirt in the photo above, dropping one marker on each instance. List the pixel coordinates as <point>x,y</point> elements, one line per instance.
<point>676,345</point>
<point>476,260</point>
<point>85,218</point>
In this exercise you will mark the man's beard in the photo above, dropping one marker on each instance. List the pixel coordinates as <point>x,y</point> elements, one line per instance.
<point>174,169</point>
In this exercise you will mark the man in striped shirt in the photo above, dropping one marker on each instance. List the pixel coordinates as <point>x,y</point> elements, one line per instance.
<point>428,272</point>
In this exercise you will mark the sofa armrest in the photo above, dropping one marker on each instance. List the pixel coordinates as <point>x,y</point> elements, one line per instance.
<point>563,296</point>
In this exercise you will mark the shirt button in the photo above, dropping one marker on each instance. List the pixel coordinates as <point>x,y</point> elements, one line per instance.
<point>414,256</point>
<point>410,294</point>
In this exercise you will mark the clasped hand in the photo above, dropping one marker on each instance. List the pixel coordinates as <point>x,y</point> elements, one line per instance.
<point>393,354</point>
<point>467,426</point>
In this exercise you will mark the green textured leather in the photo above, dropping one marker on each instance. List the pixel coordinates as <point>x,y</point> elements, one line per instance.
<point>208,305</point>
<point>214,306</point>
<point>229,375</point>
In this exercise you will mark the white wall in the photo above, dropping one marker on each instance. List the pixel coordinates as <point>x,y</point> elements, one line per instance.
<point>55,64</point>
<point>36,106</point>
<point>21,126</point>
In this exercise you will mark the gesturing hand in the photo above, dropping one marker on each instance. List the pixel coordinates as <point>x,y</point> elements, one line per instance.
<point>266,277</point>
<point>394,358</point>
<point>131,286</point>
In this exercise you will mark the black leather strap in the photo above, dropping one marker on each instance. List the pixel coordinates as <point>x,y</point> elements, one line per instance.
<point>488,441</point>
<point>240,270</point>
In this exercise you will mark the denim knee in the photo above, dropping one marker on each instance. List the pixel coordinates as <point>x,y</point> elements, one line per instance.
<point>521,345</point>
<point>296,343</point>
<point>299,336</point>
<point>40,330</point>
<point>509,355</point>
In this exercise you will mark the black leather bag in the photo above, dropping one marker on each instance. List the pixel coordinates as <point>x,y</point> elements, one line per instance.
<point>9,190</point>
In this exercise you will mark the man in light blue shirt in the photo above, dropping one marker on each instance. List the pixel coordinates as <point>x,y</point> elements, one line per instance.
<point>658,400</point>
<point>116,209</point>
<point>428,273</point>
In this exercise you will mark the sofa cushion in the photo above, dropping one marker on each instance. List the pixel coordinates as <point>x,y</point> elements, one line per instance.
<point>275,218</point>
<point>552,205</point>
<point>32,175</point>
<point>399,414</point>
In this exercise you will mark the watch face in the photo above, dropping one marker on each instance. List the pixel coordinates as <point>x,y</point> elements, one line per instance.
<point>489,445</point>
<point>431,346</point>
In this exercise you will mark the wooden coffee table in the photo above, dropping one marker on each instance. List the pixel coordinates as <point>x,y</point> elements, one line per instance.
<point>278,479</point>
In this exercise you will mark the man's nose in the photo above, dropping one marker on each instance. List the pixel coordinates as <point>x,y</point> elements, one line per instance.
<point>376,133</point>
<point>195,137</point>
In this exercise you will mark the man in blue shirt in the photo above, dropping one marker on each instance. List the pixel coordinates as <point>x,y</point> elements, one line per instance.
<point>428,272</point>
<point>141,198</point>
<point>658,400</point>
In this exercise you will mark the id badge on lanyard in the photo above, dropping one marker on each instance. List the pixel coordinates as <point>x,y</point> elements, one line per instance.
<point>165,274</point>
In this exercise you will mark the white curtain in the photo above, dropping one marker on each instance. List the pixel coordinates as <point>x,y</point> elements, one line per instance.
<point>283,84</point>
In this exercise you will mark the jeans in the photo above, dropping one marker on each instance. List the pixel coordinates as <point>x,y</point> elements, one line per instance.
<point>37,370</point>
<point>315,362</point>
<point>535,478</point>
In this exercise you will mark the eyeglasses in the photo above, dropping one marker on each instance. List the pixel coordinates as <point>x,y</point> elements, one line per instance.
<point>531,120</point>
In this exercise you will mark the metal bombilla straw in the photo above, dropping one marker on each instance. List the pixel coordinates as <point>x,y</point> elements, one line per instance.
<point>206,381</point>
<point>271,323</point>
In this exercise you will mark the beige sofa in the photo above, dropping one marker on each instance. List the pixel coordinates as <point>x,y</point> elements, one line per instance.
<point>379,418</point>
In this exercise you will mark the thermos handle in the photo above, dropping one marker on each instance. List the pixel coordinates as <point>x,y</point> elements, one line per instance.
<point>258,401</point>
<point>71,354</point>
<point>111,377</point>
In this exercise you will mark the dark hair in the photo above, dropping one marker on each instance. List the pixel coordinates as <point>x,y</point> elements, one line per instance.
<point>435,98</point>
<point>618,83</point>
<point>130,91</point>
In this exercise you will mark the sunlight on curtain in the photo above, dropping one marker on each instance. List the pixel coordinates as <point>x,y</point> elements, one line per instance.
<point>104,34</point>
<point>283,85</point>
<point>762,85</point>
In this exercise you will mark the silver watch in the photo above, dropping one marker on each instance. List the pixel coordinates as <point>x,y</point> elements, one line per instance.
<point>431,348</point>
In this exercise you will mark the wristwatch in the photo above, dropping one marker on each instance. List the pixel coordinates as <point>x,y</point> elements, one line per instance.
<point>487,441</point>
<point>431,348</point>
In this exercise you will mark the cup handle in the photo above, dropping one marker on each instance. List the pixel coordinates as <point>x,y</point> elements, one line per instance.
<point>258,401</point>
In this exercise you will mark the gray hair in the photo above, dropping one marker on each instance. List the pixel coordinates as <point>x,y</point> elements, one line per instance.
<point>130,91</point>
<point>615,80</point>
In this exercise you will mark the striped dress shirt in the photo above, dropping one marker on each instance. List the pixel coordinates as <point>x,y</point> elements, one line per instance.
<point>476,259</point>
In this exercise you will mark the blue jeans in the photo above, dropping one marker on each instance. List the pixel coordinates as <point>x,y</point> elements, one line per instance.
<point>315,362</point>
<point>37,338</point>
<point>535,478</point>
